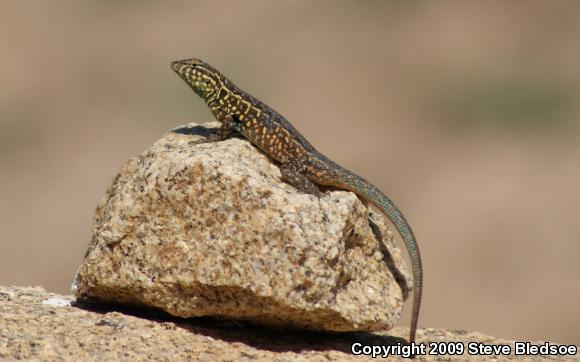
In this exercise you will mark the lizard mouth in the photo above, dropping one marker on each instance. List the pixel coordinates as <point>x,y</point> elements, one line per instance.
<point>175,65</point>
<point>179,65</point>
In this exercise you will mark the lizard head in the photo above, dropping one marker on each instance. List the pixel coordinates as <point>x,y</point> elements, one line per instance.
<point>201,77</point>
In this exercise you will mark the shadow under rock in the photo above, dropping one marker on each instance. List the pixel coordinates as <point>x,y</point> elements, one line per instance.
<point>259,337</point>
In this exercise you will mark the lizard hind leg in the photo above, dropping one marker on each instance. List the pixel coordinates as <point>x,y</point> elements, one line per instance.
<point>292,175</point>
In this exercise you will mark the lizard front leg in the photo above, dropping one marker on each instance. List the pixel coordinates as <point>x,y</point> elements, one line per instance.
<point>222,133</point>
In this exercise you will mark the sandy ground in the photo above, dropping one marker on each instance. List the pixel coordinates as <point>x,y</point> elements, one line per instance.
<point>466,114</point>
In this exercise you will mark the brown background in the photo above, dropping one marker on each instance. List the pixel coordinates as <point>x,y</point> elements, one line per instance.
<point>466,113</point>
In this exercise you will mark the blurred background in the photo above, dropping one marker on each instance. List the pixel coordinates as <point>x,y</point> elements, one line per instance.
<point>466,113</point>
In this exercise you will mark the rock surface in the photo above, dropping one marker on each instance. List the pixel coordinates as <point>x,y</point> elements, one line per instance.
<point>211,230</point>
<point>36,325</point>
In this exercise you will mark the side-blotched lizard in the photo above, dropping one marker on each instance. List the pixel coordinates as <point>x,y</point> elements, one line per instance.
<point>301,165</point>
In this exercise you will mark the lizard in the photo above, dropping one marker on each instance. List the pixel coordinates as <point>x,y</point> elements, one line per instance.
<point>301,165</point>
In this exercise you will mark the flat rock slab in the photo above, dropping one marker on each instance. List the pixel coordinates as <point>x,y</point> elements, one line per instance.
<point>211,230</point>
<point>36,325</point>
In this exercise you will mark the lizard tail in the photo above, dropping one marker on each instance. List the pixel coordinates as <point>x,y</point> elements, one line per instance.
<point>372,194</point>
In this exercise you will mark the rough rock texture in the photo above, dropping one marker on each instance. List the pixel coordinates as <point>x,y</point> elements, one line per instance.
<point>211,230</point>
<point>36,325</point>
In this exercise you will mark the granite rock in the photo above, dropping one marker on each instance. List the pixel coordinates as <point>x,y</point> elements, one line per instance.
<point>210,229</point>
<point>39,326</point>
